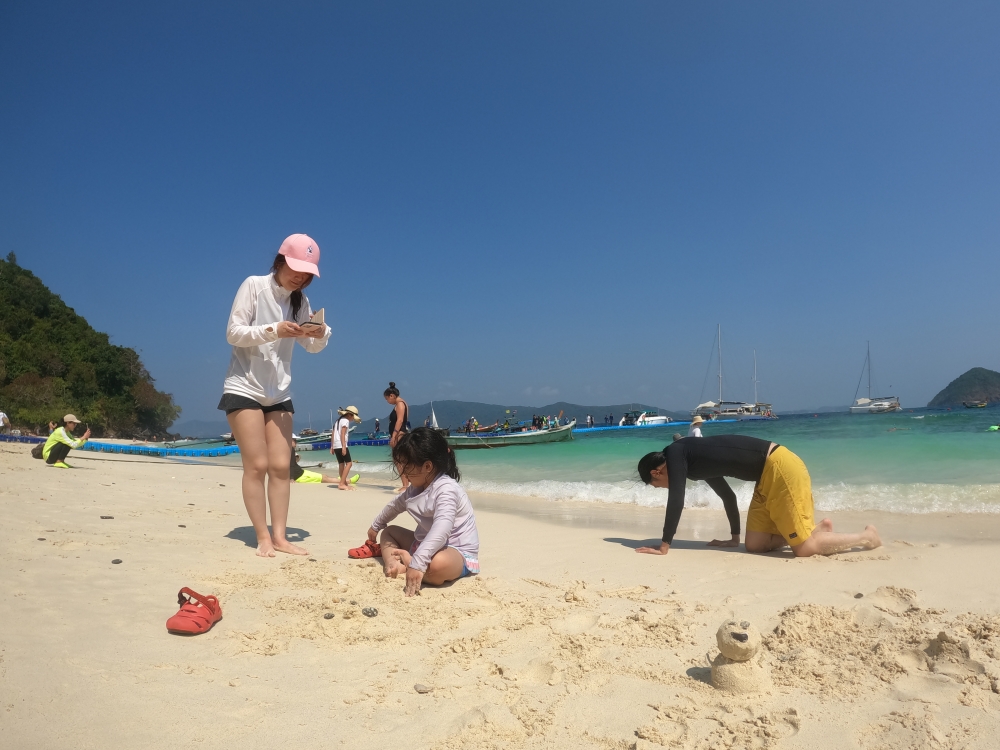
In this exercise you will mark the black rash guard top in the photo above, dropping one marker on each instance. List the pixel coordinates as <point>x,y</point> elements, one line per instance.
<point>711,459</point>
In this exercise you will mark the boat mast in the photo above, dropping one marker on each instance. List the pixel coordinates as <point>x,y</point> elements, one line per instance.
<point>869,358</point>
<point>720,365</point>
<point>755,376</point>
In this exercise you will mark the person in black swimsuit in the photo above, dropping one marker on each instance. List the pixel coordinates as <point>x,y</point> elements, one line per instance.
<point>781,511</point>
<point>399,421</point>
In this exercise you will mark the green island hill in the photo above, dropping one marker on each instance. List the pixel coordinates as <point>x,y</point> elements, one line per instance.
<point>978,384</point>
<point>52,362</point>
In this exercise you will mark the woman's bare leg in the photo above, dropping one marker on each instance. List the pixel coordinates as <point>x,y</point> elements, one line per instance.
<point>761,541</point>
<point>248,431</point>
<point>278,433</point>
<point>824,541</point>
<point>345,476</point>
<point>395,541</point>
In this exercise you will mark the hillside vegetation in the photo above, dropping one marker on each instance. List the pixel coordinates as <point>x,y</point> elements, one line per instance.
<point>978,384</point>
<point>52,363</point>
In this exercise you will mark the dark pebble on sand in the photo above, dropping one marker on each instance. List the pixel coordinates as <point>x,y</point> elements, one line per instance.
<point>190,503</point>
<point>312,559</point>
<point>354,604</point>
<point>369,611</point>
<point>858,596</point>
<point>422,689</point>
<point>328,616</point>
<point>41,538</point>
<point>181,526</point>
<point>107,518</point>
<point>116,561</point>
<point>222,485</point>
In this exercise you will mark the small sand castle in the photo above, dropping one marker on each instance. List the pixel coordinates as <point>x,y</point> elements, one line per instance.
<point>739,667</point>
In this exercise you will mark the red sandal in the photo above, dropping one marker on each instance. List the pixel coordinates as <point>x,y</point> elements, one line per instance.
<point>366,550</point>
<point>197,613</point>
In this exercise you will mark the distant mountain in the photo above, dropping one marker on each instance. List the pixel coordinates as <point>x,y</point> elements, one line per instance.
<point>978,384</point>
<point>454,413</point>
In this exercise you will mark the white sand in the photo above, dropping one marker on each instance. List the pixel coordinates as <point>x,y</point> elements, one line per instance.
<point>567,639</point>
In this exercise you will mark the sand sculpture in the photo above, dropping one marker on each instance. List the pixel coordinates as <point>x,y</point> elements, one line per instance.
<point>739,667</point>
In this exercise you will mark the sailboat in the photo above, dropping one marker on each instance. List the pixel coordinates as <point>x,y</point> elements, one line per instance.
<point>739,410</point>
<point>877,405</point>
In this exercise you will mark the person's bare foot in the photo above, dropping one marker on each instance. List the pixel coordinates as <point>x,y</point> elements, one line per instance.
<point>391,563</point>
<point>288,548</point>
<point>344,487</point>
<point>825,525</point>
<point>871,535</point>
<point>265,549</point>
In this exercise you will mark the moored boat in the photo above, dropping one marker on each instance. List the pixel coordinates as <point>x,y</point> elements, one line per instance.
<point>504,438</point>
<point>974,404</point>
<point>870,405</point>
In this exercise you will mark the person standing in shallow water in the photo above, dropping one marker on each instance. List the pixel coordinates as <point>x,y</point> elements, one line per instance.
<point>781,511</point>
<point>399,422</point>
<point>269,315</point>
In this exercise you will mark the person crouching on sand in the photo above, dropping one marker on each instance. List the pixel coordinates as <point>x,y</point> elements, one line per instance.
<point>338,444</point>
<point>303,476</point>
<point>781,511</point>
<point>445,544</point>
<point>269,315</point>
<point>60,441</point>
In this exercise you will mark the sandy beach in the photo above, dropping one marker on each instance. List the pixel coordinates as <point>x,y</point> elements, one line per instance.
<point>567,639</point>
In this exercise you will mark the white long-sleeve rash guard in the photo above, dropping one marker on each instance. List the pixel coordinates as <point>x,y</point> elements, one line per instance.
<point>261,365</point>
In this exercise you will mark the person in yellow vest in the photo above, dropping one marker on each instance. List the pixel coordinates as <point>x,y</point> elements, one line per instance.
<point>60,442</point>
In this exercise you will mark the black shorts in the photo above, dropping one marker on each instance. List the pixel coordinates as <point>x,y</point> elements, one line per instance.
<point>230,402</point>
<point>343,455</point>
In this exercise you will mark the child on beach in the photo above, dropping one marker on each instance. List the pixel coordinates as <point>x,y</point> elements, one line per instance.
<point>445,544</point>
<point>338,444</point>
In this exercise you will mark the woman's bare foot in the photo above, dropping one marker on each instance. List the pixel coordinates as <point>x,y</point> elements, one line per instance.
<point>344,487</point>
<point>287,547</point>
<point>872,537</point>
<point>265,549</point>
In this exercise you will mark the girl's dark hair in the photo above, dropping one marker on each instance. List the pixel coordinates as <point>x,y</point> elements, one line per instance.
<point>649,462</point>
<point>296,299</point>
<point>392,390</point>
<point>422,445</point>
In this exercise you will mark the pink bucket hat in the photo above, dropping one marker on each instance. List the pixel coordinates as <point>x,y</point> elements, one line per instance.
<point>301,253</point>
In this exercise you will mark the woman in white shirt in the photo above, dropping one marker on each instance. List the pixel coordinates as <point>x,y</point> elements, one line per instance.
<point>695,429</point>
<point>270,313</point>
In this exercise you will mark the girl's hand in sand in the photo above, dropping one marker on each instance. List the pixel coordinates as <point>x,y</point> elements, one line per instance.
<point>661,550</point>
<point>289,330</point>
<point>372,535</point>
<point>733,542</point>
<point>413,579</point>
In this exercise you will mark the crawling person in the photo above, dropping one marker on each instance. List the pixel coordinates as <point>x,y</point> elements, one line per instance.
<point>781,511</point>
<point>445,544</point>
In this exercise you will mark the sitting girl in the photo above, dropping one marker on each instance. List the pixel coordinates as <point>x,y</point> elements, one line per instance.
<point>445,545</point>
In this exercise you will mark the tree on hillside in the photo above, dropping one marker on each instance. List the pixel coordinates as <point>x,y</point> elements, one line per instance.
<point>52,362</point>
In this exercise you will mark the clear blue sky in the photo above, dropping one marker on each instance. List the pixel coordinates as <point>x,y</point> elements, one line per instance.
<point>519,202</point>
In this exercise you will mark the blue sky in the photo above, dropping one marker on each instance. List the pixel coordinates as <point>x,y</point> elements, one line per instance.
<point>519,202</point>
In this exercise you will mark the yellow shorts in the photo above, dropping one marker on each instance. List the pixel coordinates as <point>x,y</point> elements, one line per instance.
<point>782,500</point>
<point>310,477</point>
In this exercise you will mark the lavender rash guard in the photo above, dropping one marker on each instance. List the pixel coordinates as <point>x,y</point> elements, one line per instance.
<point>444,519</point>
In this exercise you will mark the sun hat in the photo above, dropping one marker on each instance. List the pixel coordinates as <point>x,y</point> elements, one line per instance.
<point>697,420</point>
<point>352,410</point>
<point>70,418</point>
<point>301,253</point>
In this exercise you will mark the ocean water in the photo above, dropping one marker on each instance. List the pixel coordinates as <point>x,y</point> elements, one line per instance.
<point>918,461</point>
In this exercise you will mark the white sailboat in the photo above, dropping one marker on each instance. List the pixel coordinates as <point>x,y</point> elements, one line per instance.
<point>740,410</point>
<point>434,419</point>
<point>878,404</point>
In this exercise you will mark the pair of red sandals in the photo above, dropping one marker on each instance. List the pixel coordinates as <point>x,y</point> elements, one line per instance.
<point>197,614</point>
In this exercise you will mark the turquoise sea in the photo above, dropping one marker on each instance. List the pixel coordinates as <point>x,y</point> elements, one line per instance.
<point>919,461</point>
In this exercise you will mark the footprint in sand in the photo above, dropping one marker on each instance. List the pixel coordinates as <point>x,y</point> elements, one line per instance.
<point>574,624</point>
